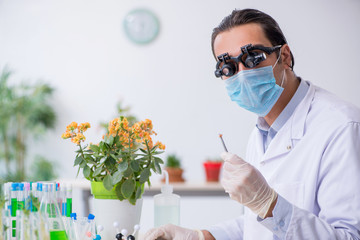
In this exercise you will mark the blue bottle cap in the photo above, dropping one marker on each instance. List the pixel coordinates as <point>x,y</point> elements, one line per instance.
<point>98,237</point>
<point>21,186</point>
<point>73,216</point>
<point>39,186</point>
<point>91,217</point>
<point>15,186</point>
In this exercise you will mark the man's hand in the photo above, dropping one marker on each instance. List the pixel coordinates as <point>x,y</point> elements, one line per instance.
<point>173,232</point>
<point>245,184</point>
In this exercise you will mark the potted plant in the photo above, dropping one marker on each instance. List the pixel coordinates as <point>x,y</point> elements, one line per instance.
<point>118,168</point>
<point>212,169</point>
<point>25,114</point>
<point>173,167</point>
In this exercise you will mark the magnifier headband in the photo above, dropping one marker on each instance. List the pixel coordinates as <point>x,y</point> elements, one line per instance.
<point>250,57</point>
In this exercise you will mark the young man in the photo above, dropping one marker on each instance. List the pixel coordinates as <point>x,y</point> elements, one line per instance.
<point>300,177</point>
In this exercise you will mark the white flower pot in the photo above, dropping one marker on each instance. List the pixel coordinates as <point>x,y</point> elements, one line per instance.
<point>107,211</point>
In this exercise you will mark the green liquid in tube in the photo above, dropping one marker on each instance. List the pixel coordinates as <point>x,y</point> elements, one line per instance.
<point>68,207</point>
<point>14,207</point>
<point>58,235</point>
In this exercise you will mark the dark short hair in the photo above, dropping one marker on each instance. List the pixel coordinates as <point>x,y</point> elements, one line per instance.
<point>268,24</point>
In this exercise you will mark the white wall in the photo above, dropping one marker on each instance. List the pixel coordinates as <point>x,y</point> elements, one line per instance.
<point>80,48</point>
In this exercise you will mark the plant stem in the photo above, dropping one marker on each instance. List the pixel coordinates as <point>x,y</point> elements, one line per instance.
<point>20,148</point>
<point>149,153</point>
<point>6,150</point>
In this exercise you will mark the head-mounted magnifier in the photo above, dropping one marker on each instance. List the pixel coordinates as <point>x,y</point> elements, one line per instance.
<point>250,57</point>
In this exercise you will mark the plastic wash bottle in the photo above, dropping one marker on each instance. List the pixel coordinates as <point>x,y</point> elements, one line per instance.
<point>166,205</point>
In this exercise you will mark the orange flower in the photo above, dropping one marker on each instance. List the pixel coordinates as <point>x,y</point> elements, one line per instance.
<point>114,126</point>
<point>76,137</point>
<point>79,137</point>
<point>124,124</point>
<point>130,137</point>
<point>71,127</point>
<point>66,135</point>
<point>160,145</point>
<point>83,127</point>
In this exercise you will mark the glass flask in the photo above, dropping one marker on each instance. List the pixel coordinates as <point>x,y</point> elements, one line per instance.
<point>50,211</point>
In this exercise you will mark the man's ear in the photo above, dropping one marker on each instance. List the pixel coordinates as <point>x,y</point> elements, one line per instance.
<point>286,56</point>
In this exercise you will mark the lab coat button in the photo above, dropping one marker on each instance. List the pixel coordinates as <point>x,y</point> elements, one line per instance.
<point>281,223</point>
<point>288,147</point>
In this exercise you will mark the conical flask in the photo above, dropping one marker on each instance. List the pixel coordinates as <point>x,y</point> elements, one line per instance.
<point>51,213</point>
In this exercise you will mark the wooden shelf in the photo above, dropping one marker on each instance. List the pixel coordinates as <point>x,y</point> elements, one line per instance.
<point>184,189</point>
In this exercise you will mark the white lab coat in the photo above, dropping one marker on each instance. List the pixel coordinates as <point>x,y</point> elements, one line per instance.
<point>314,163</point>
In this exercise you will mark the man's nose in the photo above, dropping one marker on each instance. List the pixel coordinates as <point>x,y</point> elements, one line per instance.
<point>241,67</point>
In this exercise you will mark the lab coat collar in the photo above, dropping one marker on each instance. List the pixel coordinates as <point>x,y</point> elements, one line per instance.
<point>293,130</point>
<point>299,117</point>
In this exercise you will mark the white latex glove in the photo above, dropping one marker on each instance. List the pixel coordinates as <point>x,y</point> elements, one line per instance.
<point>170,232</point>
<point>245,184</point>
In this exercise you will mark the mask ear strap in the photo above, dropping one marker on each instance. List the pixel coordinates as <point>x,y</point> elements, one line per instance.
<point>277,60</point>
<point>282,81</point>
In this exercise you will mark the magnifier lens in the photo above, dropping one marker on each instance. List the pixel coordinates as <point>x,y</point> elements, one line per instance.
<point>226,71</point>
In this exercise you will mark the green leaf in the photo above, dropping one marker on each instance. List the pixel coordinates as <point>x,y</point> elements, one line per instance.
<point>89,159</point>
<point>128,172</point>
<point>157,166</point>
<point>97,171</point>
<point>157,152</point>
<point>139,192</point>
<point>82,164</point>
<point>144,176</point>
<point>143,150</point>
<point>86,171</point>
<point>108,182</point>
<point>132,199</point>
<point>118,192</point>
<point>77,174</point>
<point>123,166</point>
<point>78,160</point>
<point>110,162</point>
<point>117,176</point>
<point>110,140</point>
<point>128,188</point>
<point>135,165</point>
<point>94,148</point>
<point>159,160</point>
<point>113,156</point>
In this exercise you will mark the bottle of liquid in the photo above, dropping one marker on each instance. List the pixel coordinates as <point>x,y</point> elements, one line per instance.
<point>166,205</point>
<point>49,209</point>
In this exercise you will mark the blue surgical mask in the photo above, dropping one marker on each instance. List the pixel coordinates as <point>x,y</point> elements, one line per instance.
<point>255,90</point>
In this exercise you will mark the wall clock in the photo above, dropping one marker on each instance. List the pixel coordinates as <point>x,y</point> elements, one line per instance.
<point>141,26</point>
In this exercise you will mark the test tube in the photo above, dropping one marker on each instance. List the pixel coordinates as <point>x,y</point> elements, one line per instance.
<point>14,201</point>
<point>38,197</point>
<point>68,200</point>
<point>21,197</point>
<point>27,199</point>
<point>63,200</point>
<point>58,196</point>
